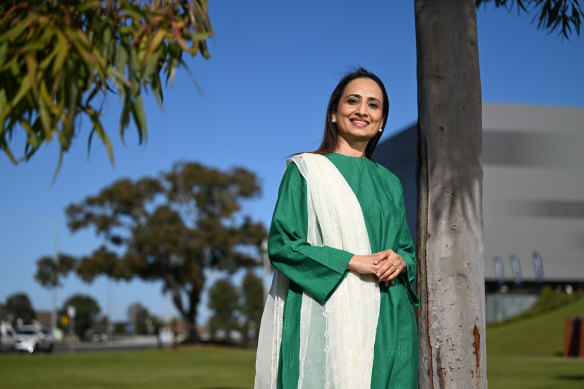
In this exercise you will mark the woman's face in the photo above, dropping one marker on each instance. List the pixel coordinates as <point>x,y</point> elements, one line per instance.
<point>359,114</point>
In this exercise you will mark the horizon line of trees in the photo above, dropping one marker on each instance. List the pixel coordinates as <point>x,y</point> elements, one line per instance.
<point>18,310</point>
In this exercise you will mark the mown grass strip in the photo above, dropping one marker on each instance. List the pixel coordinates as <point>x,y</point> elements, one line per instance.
<point>196,368</point>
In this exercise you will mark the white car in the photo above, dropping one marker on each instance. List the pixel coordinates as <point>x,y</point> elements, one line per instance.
<point>7,337</point>
<point>31,338</point>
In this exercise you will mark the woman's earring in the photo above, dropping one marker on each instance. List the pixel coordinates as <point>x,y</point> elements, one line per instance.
<point>333,120</point>
<point>381,129</point>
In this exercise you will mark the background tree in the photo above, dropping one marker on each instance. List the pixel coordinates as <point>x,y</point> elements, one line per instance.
<point>141,320</point>
<point>224,302</point>
<point>450,227</point>
<point>3,313</point>
<point>18,309</point>
<point>86,313</point>
<point>172,229</point>
<point>59,59</point>
<point>252,305</point>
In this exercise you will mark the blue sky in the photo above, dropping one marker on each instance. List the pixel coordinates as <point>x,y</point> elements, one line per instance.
<point>265,89</point>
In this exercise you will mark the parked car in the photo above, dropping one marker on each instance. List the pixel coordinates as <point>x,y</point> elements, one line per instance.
<point>99,337</point>
<point>30,338</point>
<point>7,337</point>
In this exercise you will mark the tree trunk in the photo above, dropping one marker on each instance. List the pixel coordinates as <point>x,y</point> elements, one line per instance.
<point>191,330</point>
<point>451,323</point>
<point>188,315</point>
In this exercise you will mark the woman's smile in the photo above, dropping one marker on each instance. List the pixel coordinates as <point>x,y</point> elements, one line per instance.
<point>359,122</point>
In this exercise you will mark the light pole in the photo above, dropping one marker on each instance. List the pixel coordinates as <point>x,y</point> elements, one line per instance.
<point>55,226</point>
<point>71,311</point>
<point>54,308</point>
<point>109,310</point>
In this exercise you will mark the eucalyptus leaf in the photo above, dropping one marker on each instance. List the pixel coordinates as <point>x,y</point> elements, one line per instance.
<point>140,118</point>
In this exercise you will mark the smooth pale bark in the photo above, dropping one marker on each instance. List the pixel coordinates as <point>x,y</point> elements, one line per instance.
<point>451,323</point>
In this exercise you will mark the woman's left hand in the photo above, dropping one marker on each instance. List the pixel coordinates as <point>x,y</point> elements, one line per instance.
<point>389,266</point>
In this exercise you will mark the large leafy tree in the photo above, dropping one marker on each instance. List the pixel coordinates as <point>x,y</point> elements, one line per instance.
<point>59,59</point>
<point>86,313</point>
<point>18,309</point>
<point>172,229</point>
<point>450,228</point>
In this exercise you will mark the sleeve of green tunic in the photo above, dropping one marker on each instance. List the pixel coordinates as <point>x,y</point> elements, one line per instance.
<point>405,248</point>
<point>317,270</point>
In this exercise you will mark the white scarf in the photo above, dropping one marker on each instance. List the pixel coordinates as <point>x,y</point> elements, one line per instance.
<point>337,338</point>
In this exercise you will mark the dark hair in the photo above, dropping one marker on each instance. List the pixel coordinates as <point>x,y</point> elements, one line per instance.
<point>330,139</point>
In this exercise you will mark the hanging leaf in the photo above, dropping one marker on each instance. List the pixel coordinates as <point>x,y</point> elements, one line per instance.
<point>139,117</point>
<point>100,131</point>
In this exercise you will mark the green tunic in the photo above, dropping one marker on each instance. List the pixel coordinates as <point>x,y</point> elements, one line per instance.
<point>318,271</point>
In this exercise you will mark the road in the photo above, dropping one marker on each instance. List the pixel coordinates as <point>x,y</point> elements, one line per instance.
<point>118,344</point>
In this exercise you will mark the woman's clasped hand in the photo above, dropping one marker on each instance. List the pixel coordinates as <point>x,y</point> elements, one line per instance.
<point>385,265</point>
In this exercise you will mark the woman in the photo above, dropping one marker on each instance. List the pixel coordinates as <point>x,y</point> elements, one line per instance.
<point>340,313</point>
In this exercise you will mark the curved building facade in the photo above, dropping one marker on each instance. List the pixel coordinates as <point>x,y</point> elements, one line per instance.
<point>533,193</point>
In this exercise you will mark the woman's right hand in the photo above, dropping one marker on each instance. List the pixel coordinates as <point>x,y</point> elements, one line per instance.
<point>385,265</point>
<point>366,264</point>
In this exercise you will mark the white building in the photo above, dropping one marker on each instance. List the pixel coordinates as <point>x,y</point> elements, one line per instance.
<point>533,193</point>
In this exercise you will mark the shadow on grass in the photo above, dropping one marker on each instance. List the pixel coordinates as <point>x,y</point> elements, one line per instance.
<point>571,377</point>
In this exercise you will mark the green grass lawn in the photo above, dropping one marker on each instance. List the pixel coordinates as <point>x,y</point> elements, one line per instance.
<point>532,372</point>
<point>522,354</point>
<point>189,368</point>
<point>527,353</point>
